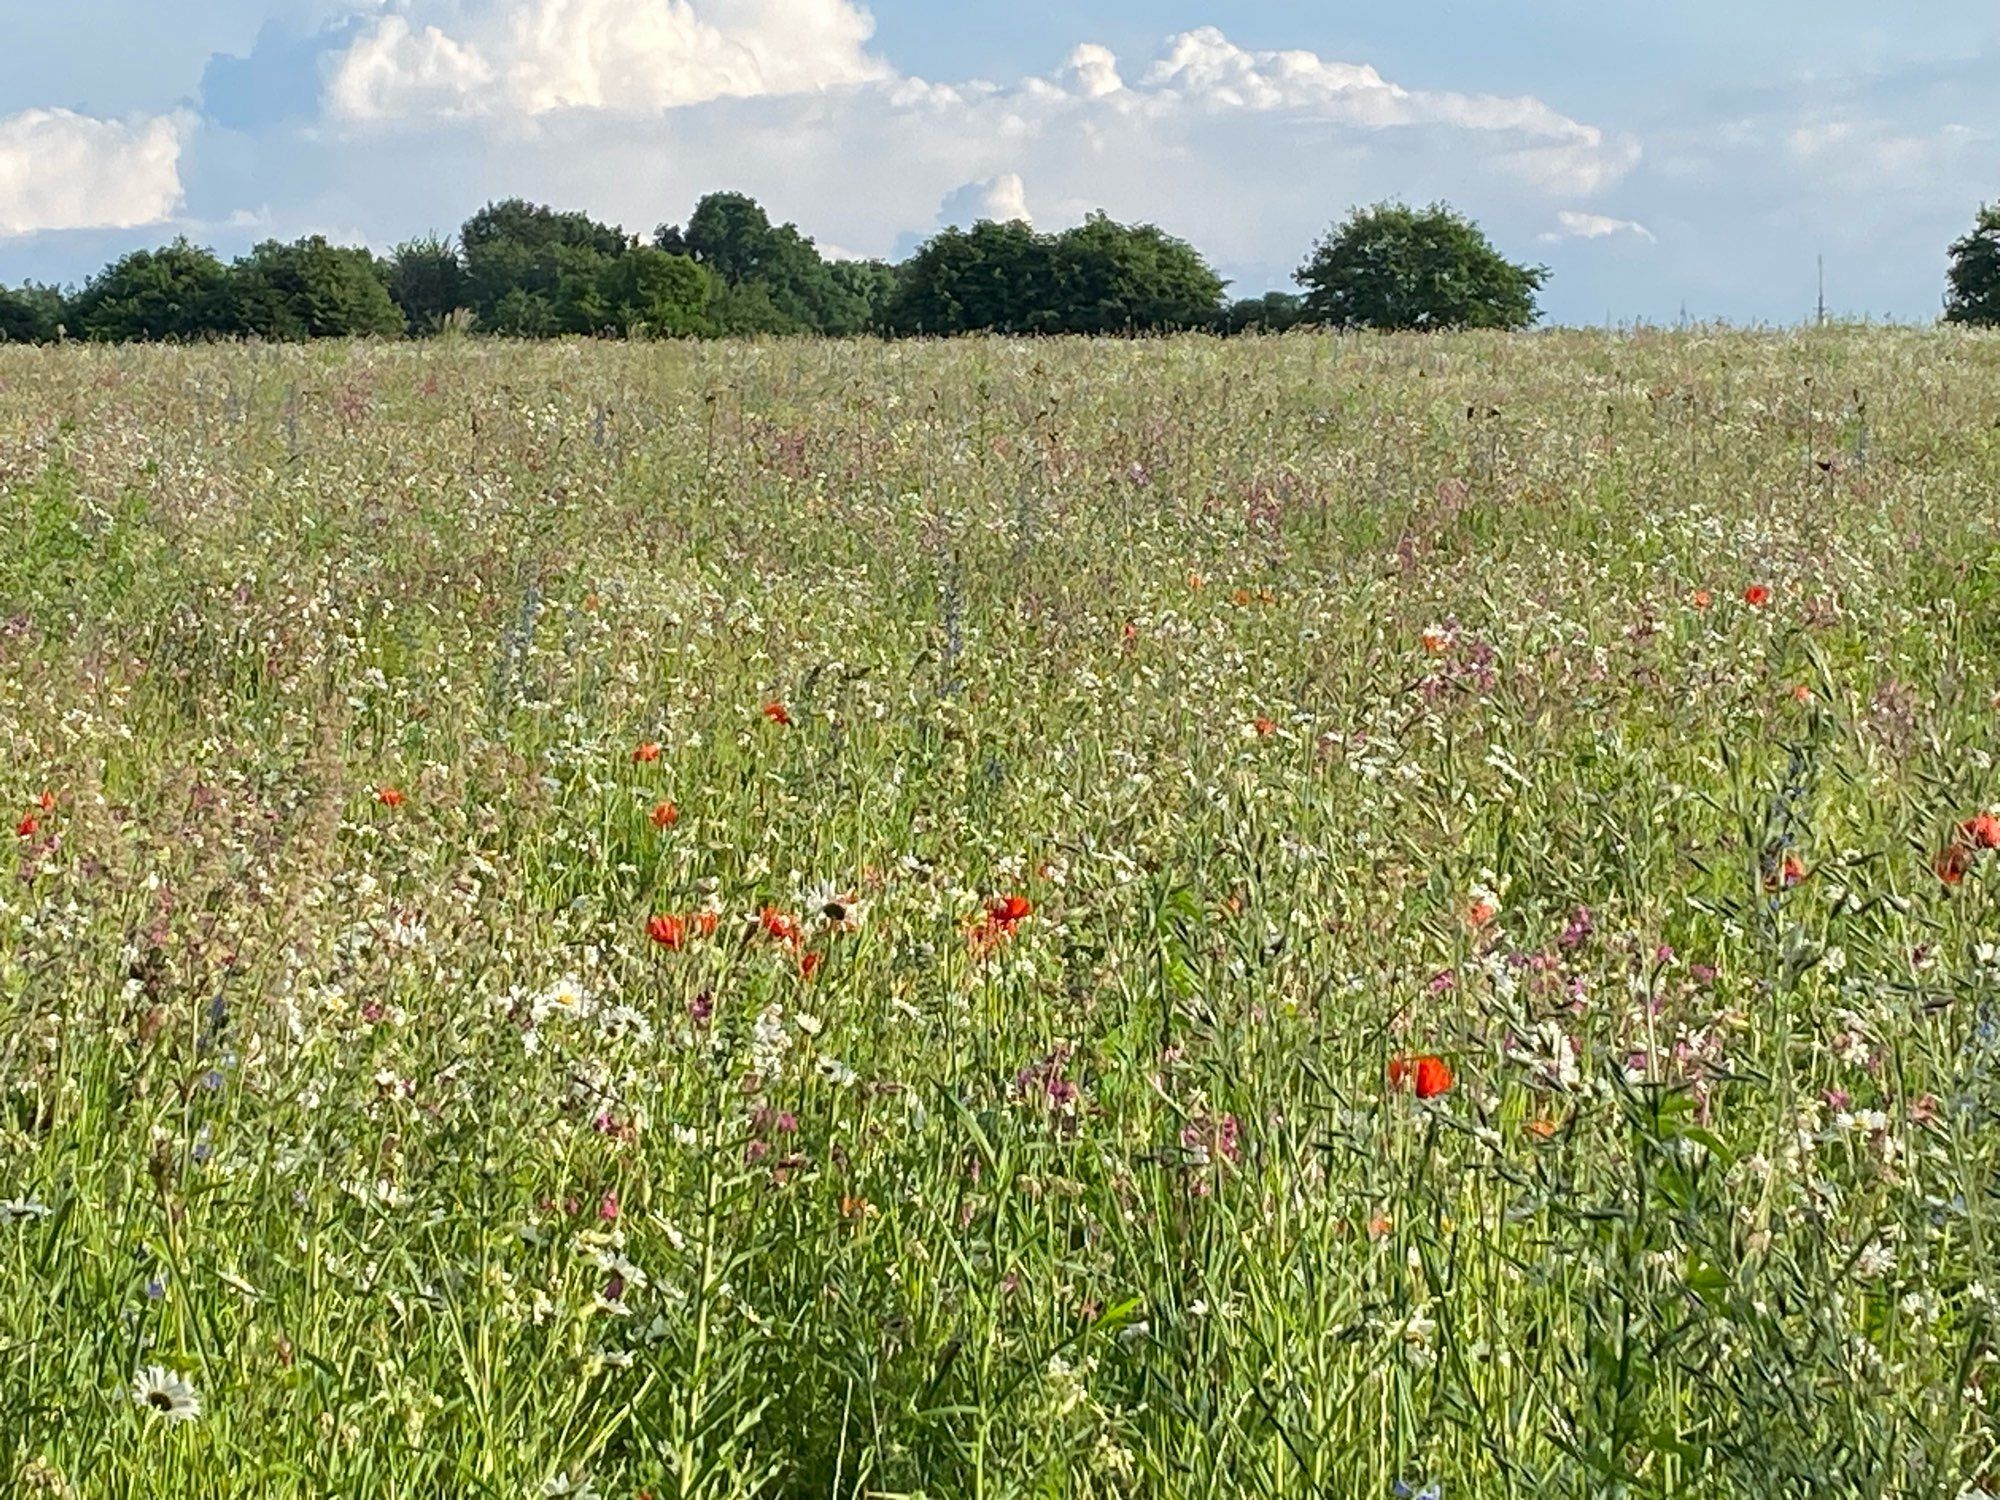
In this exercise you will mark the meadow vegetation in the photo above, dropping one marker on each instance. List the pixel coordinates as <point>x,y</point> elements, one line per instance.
<point>1287,917</point>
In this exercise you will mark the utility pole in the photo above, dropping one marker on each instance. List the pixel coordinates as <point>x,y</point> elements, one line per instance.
<point>1821,318</point>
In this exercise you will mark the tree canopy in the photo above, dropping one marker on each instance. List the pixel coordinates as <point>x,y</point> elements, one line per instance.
<point>773,277</point>
<point>30,314</point>
<point>1973,280</point>
<point>309,289</point>
<point>1100,277</point>
<point>427,282</point>
<point>177,292</point>
<point>1393,266</point>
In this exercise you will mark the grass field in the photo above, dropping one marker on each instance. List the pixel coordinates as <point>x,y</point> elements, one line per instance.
<point>1299,917</point>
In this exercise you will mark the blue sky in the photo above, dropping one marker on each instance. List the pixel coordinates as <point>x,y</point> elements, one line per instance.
<point>1661,159</point>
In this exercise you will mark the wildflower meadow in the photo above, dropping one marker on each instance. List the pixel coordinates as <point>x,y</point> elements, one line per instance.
<point>1307,916</point>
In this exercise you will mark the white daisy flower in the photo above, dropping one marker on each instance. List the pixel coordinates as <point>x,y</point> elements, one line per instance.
<point>166,1394</point>
<point>566,997</point>
<point>833,908</point>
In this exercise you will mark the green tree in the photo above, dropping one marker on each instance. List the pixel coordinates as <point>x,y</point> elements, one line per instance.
<point>1100,277</point>
<point>1118,278</point>
<point>649,292</point>
<point>1274,312</point>
<point>992,277</point>
<point>177,292</point>
<point>1973,280</point>
<point>1391,266</point>
<point>311,289</point>
<point>427,282</point>
<point>872,285</point>
<point>521,314</point>
<point>30,314</point>
<point>530,270</point>
<point>778,281</point>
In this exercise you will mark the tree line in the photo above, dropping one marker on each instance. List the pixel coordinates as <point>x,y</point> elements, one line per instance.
<point>525,270</point>
<point>528,271</point>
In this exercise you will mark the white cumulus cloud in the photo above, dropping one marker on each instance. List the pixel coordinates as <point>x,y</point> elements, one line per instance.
<point>1002,199</point>
<point>1093,71</point>
<point>62,170</point>
<point>435,58</point>
<point>1573,225</point>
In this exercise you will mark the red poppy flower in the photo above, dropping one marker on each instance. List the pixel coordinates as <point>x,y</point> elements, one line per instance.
<point>1430,1075</point>
<point>1703,598</point>
<point>646,753</point>
<point>46,802</point>
<point>669,932</point>
<point>1953,864</point>
<point>1263,726</point>
<point>809,964</point>
<point>1756,596</point>
<point>1785,874</point>
<point>779,926</point>
<point>664,815</point>
<point>389,796</point>
<point>28,827</point>
<point>1983,830</point>
<point>705,923</point>
<point>1009,911</point>
<point>777,713</point>
<point>997,923</point>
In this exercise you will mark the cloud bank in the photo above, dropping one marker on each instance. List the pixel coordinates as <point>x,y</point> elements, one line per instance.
<point>62,170</point>
<point>530,57</point>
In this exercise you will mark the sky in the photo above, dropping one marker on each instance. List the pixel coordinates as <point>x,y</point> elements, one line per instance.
<point>1693,159</point>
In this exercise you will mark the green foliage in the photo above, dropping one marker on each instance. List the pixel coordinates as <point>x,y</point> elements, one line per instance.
<point>1100,277</point>
<point>1974,276</point>
<point>532,271</point>
<point>992,277</point>
<point>647,291</point>
<point>178,292</point>
<point>777,280</point>
<point>309,289</point>
<point>1395,267</point>
<point>1274,312</point>
<point>871,286</point>
<point>427,283</point>
<point>30,314</point>
<point>1122,278</point>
